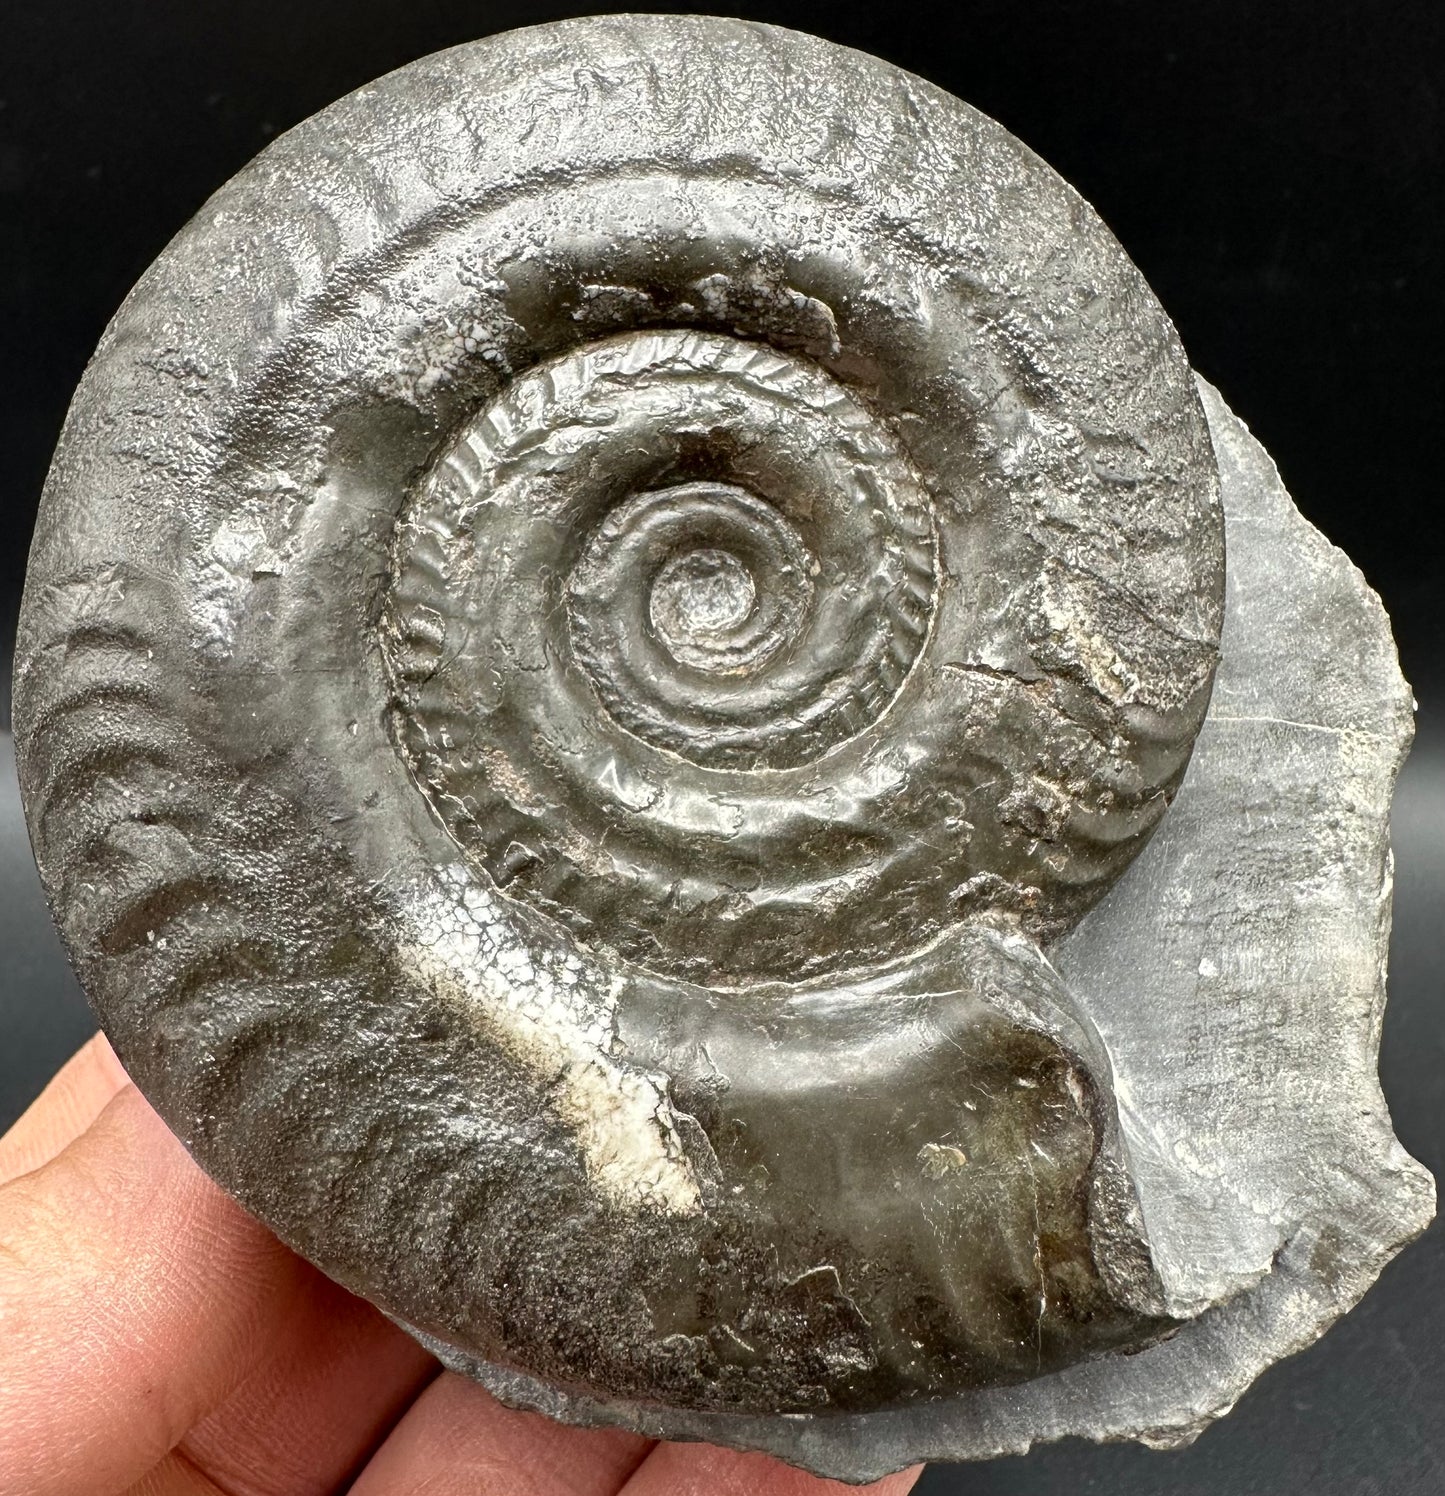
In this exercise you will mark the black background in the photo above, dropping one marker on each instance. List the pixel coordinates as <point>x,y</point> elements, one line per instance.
<point>1273,167</point>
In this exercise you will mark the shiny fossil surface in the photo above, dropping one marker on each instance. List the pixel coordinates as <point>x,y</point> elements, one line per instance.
<point>608,634</point>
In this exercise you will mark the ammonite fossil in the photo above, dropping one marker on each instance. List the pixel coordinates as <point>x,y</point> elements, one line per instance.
<point>602,619</point>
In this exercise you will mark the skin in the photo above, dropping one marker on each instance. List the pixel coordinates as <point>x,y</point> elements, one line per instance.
<point>158,1341</point>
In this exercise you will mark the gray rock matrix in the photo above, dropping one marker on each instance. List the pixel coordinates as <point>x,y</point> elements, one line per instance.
<point>667,730</point>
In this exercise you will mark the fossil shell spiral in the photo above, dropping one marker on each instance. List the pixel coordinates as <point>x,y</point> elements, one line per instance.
<point>597,612</point>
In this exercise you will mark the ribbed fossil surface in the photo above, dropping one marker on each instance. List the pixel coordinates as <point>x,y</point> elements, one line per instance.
<point>603,620</point>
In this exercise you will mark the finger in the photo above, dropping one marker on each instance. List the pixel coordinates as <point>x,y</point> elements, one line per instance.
<point>327,1392</point>
<point>134,1298</point>
<point>458,1440</point>
<point>63,1110</point>
<point>704,1470</point>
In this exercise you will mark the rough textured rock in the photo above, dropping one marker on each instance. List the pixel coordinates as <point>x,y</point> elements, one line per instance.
<point>608,634</point>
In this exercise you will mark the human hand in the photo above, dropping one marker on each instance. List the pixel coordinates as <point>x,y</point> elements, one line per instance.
<point>155,1340</point>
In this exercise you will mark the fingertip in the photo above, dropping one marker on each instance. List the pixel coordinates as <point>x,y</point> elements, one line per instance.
<point>708,1470</point>
<point>106,1061</point>
<point>69,1104</point>
<point>457,1438</point>
<point>135,1296</point>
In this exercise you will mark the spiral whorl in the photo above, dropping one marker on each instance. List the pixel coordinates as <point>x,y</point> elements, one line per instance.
<point>804,561</point>
<point>733,554</point>
<point>650,612</point>
<point>664,554</point>
<point>596,613</point>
